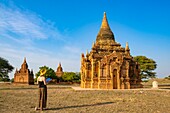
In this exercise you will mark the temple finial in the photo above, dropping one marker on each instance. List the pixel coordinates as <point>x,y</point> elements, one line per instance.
<point>127,47</point>
<point>25,60</point>
<point>87,52</point>
<point>32,71</point>
<point>59,64</point>
<point>105,22</point>
<point>93,44</point>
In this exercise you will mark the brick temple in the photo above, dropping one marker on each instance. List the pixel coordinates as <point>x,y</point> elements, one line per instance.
<point>109,65</point>
<point>24,75</point>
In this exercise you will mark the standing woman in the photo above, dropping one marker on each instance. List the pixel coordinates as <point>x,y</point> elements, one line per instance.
<point>41,81</point>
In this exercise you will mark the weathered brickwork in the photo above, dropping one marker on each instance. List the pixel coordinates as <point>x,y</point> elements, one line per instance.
<point>108,65</point>
<point>24,75</point>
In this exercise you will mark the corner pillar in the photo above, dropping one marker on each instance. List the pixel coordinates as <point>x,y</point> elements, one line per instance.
<point>99,74</point>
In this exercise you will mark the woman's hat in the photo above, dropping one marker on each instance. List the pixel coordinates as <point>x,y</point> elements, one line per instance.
<point>42,72</point>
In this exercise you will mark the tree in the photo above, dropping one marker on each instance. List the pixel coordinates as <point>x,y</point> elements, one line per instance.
<point>147,66</point>
<point>77,78</point>
<point>71,77</point>
<point>168,77</point>
<point>12,80</point>
<point>49,74</point>
<point>5,68</point>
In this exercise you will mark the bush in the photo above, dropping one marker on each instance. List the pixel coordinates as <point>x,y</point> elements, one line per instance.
<point>71,77</point>
<point>168,77</point>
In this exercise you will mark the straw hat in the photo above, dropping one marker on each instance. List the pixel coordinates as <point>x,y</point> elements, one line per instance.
<point>42,72</point>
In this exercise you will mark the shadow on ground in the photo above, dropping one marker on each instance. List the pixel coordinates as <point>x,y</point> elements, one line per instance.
<point>78,106</point>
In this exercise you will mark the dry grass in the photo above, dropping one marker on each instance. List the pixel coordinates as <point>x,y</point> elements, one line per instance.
<point>23,99</point>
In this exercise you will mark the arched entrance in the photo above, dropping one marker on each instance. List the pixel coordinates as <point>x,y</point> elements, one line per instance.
<point>115,79</point>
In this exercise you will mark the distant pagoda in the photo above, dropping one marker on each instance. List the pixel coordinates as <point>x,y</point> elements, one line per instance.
<point>59,71</point>
<point>24,75</point>
<point>108,65</point>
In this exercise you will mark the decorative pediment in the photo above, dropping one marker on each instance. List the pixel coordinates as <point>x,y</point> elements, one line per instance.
<point>103,61</point>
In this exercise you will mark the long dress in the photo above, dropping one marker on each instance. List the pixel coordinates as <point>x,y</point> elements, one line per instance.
<point>42,95</point>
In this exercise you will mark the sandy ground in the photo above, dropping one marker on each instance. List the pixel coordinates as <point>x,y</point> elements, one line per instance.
<point>64,99</point>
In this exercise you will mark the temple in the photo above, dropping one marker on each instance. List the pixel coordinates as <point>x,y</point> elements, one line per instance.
<point>108,65</point>
<point>59,71</point>
<point>24,75</point>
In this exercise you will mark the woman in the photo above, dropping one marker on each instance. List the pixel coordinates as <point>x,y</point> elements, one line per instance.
<point>41,81</point>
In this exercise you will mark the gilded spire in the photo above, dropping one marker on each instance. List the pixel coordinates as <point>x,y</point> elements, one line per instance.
<point>105,24</point>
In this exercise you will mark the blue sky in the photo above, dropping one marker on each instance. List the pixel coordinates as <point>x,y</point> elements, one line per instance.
<point>47,32</point>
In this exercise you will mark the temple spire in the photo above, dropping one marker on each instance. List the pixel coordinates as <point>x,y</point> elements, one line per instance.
<point>93,44</point>
<point>24,65</point>
<point>127,50</point>
<point>105,22</point>
<point>16,70</point>
<point>105,34</point>
<point>87,52</point>
<point>25,60</point>
<point>127,47</point>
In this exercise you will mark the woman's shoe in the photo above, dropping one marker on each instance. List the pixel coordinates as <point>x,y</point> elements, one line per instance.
<point>36,108</point>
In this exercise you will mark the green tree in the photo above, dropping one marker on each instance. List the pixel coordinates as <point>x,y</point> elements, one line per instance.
<point>71,77</point>
<point>147,66</point>
<point>5,68</point>
<point>168,77</point>
<point>12,80</point>
<point>49,74</point>
<point>77,77</point>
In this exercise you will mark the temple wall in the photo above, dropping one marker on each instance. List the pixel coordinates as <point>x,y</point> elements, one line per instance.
<point>109,84</point>
<point>102,84</point>
<point>88,84</point>
<point>23,78</point>
<point>95,83</point>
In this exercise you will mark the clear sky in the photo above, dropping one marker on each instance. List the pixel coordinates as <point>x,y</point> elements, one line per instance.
<point>47,32</point>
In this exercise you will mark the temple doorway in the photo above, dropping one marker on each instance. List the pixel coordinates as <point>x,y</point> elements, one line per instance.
<point>115,79</point>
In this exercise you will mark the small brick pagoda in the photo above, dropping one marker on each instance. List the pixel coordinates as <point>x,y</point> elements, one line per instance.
<point>59,71</point>
<point>24,75</point>
<point>108,65</point>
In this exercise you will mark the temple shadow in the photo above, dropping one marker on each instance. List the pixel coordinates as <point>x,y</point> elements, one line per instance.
<point>79,106</point>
